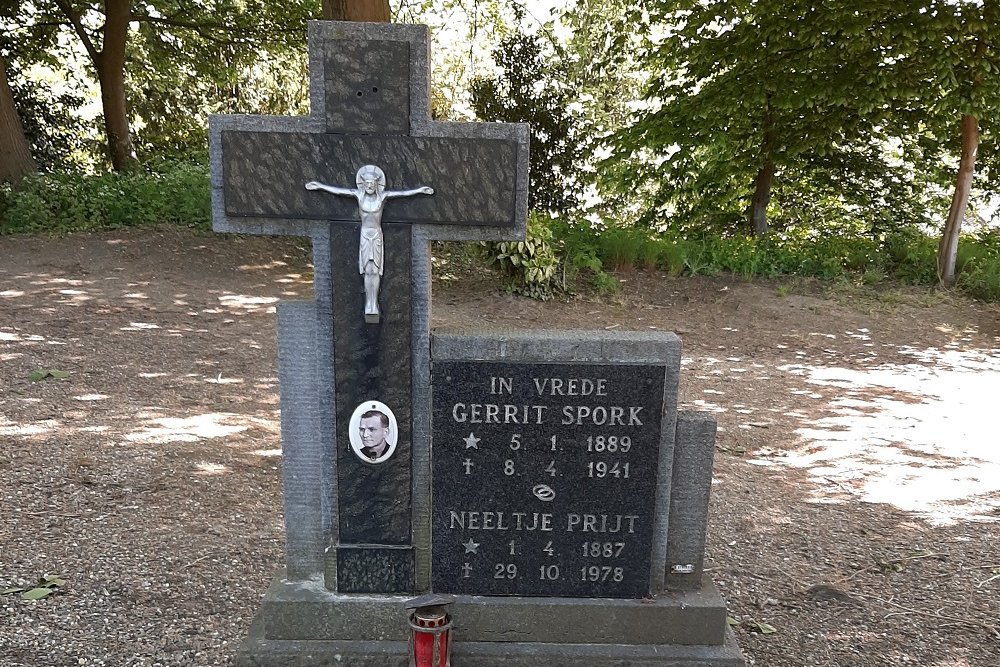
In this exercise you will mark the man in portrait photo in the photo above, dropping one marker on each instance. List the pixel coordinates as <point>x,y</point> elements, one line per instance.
<point>374,430</point>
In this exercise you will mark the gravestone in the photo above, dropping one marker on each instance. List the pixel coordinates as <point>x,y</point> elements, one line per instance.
<point>544,479</point>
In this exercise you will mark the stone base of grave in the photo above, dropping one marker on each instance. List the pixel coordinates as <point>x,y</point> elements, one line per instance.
<point>301,623</point>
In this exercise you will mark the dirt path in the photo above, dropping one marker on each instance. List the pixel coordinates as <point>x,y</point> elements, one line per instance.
<point>857,481</point>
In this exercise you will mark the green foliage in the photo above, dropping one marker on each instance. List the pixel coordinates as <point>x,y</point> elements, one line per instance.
<point>58,137</point>
<point>604,283</point>
<point>183,61</point>
<point>979,273</point>
<point>177,193</point>
<point>738,87</point>
<point>904,255</point>
<point>845,114</point>
<point>43,588</point>
<point>528,267</point>
<point>623,247</point>
<point>532,89</point>
<point>45,373</point>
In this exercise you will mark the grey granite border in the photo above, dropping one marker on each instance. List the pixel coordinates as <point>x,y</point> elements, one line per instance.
<point>306,611</point>
<point>664,486</point>
<point>259,652</point>
<point>689,500</point>
<point>551,345</point>
<point>323,291</point>
<point>302,451</point>
<point>420,318</point>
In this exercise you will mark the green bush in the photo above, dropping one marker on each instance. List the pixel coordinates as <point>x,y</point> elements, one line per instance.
<point>623,247</point>
<point>528,267</point>
<point>905,255</point>
<point>979,259</point>
<point>672,255</point>
<point>176,193</point>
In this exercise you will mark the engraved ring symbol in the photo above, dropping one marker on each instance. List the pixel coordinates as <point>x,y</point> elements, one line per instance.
<point>544,492</point>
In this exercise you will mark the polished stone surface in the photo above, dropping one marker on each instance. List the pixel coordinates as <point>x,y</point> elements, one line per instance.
<point>373,364</point>
<point>367,86</point>
<point>373,569</point>
<point>473,179</point>
<point>544,477</point>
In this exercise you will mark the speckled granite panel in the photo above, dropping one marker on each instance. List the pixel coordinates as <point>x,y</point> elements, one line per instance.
<point>474,179</point>
<point>371,569</point>
<point>367,86</point>
<point>373,364</point>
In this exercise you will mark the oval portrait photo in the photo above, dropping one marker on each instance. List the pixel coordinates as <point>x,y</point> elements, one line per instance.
<point>373,432</point>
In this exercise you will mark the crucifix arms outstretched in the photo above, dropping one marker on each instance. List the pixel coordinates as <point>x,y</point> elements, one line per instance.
<point>371,195</point>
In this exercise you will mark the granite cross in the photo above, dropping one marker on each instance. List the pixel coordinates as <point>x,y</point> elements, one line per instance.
<point>369,98</point>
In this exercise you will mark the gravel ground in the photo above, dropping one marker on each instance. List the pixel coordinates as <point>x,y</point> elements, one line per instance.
<point>857,479</point>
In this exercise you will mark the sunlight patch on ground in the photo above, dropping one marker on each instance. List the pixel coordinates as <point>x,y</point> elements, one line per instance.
<point>206,468</point>
<point>273,264</point>
<point>266,452</point>
<point>23,430</point>
<point>249,303</point>
<point>190,429</point>
<point>91,397</point>
<point>19,338</point>
<point>920,437</point>
<point>221,380</point>
<point>711,407</point>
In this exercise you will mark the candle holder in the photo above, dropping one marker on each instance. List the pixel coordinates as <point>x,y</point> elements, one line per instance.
<point>430,631</point>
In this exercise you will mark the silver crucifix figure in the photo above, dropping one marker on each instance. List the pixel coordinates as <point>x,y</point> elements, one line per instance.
<point>371,195</point>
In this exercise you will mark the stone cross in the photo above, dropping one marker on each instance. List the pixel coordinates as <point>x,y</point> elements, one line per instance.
<point>364,526</point>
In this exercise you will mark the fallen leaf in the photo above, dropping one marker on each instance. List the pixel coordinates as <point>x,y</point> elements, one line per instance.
<point>37,593</point>
<point>43,373</point>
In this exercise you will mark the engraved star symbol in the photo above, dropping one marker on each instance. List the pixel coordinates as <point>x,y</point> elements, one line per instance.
<point>471,547</point>
<point>472,442</point>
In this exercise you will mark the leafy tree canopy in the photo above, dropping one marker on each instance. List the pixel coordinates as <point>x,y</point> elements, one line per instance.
<point>182,60</point>
<point>841,103</point>
<point>530,88</point>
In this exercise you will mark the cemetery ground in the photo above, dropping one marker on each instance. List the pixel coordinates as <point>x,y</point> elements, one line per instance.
<point>857,475</point>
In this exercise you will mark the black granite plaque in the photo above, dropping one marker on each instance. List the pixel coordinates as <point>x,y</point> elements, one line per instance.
<point>544,478</point>
<point>474,180</point>
<point>372,363</point>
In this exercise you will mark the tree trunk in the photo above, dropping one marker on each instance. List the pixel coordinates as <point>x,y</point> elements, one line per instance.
<point>110,65</point>
<point>948,248</point>
<point>757,210</point>
<point>15,153</point>
<point>356,10</point>
<point>761,198</point>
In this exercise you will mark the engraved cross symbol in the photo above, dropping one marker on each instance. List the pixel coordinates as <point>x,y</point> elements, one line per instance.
<point>369,105</point>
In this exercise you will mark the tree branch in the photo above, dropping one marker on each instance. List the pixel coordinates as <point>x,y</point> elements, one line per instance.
<point>207,30</point>
<point>81,31</point>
